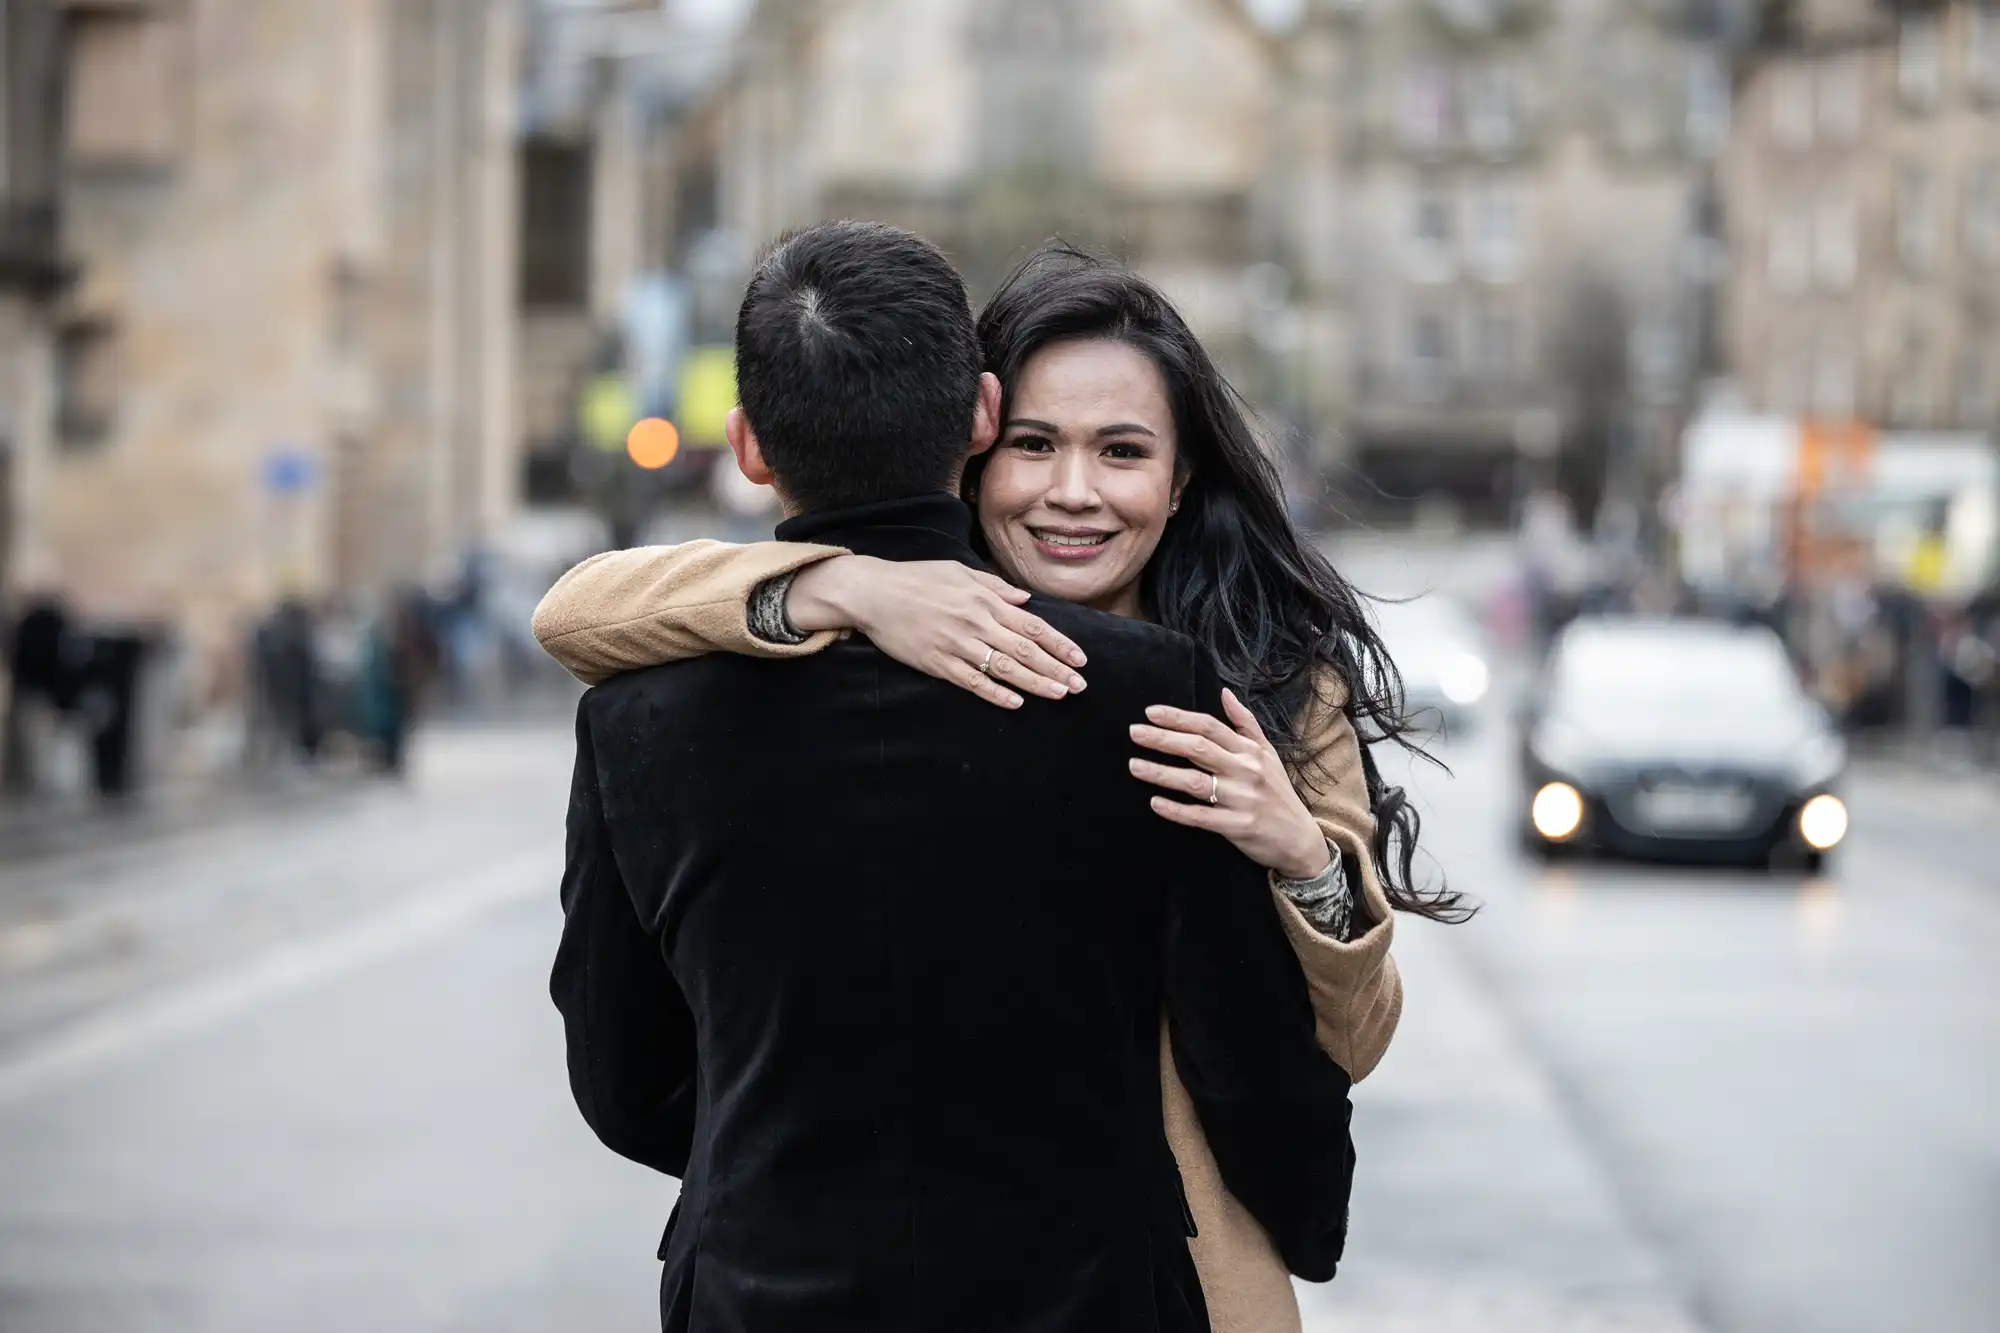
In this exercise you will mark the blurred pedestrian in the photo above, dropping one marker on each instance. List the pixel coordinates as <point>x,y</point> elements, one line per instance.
<point>1070,331</point>
<point>45,678</point>
<point>108,703</point>
<point>285,649</point>
<point>1965,666</point>
<point>399,661</point>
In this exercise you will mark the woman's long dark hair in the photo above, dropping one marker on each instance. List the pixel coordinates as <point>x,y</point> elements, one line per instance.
<point>1232,570</point>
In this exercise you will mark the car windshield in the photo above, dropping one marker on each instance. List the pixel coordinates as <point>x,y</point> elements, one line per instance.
<point>1611,675</point>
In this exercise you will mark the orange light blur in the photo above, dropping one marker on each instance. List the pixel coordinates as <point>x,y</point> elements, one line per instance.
<point>653,443</point>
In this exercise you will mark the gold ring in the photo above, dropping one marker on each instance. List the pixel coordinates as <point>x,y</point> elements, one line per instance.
<point>986,667</point>
<point>1214,787</point>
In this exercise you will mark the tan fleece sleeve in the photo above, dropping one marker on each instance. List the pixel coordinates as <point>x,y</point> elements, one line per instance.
<point>1357,993</point>
<point>622,610</point>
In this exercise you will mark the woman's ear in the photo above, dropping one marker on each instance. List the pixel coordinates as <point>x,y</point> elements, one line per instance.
<point>743,443</point>
<point>986,414</point>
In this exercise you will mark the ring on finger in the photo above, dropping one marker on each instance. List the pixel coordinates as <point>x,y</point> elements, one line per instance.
<point>986,667</point>
<point>1214,788</point>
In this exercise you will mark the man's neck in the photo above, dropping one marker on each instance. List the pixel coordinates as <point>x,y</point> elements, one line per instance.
<point>791,509</point>
<point>915,527</point>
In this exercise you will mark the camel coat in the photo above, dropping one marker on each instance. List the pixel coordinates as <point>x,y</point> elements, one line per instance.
<point>623,610</point>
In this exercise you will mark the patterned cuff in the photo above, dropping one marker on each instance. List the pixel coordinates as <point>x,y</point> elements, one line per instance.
<point>1325,900</point>
<point>766,612</point>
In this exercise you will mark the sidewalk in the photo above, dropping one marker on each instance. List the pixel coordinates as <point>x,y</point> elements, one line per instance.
<point>1478,1207</point>
<point>47,827</point>
<point>207,786</point>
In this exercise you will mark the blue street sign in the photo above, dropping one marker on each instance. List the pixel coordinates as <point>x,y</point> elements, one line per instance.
<point>289,471</point>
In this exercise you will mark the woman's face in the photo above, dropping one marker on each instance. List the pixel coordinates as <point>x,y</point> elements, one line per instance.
<point>1078,490</point>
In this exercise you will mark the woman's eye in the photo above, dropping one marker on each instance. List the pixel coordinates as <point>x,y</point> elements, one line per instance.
<point>1125,451</point>
<point>1031,444</point>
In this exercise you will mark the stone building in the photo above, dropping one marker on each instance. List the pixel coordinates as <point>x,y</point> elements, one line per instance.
<point>1863,185</point>
<point>1137,125</point>
<point>32,272</point>
<point>1506,211</point>
<point>285,360</point>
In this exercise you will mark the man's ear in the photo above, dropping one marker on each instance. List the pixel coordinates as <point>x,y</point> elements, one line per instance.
<point>743,443</point>
<point>986,415</point>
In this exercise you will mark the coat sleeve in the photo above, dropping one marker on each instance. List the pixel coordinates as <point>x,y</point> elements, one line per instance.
<point>1357,992</point>
<point>1272,1105</point>
<point>623,610</point>
<point>630,1035</point>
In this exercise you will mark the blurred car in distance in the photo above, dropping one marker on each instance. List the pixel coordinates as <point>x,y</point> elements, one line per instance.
<point>1678,739</point>
<point>1442,657</point>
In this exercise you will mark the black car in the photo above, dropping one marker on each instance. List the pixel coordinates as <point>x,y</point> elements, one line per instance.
<point>1678,739</point>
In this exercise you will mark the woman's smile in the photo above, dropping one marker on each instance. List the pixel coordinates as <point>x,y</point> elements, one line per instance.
<point>1078,544</point>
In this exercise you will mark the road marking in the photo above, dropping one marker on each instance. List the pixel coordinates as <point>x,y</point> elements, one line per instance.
<point>148,1022</point>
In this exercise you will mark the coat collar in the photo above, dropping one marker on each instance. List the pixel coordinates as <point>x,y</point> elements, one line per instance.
<point>923,527</point>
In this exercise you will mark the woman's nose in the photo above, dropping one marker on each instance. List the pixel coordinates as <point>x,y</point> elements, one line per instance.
<point>1071,487</point>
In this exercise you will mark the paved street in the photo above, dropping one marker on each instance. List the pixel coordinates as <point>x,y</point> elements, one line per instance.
<point>300,1072</point>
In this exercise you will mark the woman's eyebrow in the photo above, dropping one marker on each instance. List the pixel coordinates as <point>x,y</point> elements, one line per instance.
<point>1119,428</point>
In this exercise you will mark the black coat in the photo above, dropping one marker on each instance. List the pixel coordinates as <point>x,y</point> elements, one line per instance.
<point>877,968</point>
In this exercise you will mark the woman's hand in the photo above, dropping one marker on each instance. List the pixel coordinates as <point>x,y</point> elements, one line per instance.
<point>1239,785</point>
<point>942,618</point>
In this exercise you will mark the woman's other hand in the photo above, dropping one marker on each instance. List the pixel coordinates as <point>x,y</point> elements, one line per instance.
<point>944,619</point>
<point>1239,786</point>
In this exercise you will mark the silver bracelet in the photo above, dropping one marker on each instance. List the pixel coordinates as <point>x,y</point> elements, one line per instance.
<point>766,614</point>
<point>1325,900</point>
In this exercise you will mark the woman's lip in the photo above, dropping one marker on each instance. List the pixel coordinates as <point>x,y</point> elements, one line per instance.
<point>1071,553</point>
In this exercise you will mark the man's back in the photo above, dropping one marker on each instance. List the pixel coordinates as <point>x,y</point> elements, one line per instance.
<point>921,944</point>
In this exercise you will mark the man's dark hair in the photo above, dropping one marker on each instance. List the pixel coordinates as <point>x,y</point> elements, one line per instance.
<point>857,365</point>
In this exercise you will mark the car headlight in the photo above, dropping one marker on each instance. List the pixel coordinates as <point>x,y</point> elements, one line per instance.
<point>1463,677</point>
<point>1823,823</point>
<point>1556,811</point>
<point>1818,762</point>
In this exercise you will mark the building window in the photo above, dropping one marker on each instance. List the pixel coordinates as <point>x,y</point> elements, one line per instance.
<point>1982,214</point>
<point>1426,107</point>
<point>1910,397</point>
<point>1496,343</point>
<point>1472,16</point>
<point>1982,51</point>
<point>1842,88</point>
<point>1493,110</point>
<point>1920,59</point>
<point>1637,100</point>
<point>1836,245</point>
<point>555,224</point>
<point>1639,121</point>
<point>1791,106</point>
<point>1707,103</point>
<point>1910,400</point>
<point>1430,354</point>
<point>1789,261</point>
<point>129,89</point>
<point>1786,392</point>
<point>1431,231</point>
<point>1976,403</point>
<point>86,383</point>
<point>1916,220</point>
<point>1833,378</point>
<point>1496,232</point>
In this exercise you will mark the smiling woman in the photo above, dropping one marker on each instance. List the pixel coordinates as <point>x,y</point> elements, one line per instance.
<point>1075,496</point>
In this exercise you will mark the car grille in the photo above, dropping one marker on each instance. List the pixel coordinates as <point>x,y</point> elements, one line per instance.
<point>1695,805</point>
